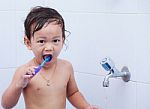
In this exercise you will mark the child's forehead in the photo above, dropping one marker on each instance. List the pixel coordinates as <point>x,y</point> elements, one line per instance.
<point>52,23</point>
<point>49,30</point>
<point>35,27</point>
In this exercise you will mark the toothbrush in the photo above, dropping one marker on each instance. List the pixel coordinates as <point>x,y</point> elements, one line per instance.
<point>47,59</point>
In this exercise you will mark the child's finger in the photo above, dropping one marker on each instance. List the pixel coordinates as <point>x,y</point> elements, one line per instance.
<point>33,69</point>
<point>95,107</point>
<point>30,72</point>
<point>27,76</point>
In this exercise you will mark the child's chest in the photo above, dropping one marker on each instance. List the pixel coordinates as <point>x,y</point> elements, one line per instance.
<point>45,86</point>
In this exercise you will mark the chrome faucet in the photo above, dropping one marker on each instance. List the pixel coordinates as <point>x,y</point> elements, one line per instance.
<point>108,65</point>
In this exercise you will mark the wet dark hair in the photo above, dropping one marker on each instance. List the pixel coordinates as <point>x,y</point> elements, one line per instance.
<point>38,17</point>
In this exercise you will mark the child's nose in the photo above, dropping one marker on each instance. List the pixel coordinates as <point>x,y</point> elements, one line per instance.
<point>49,47</point>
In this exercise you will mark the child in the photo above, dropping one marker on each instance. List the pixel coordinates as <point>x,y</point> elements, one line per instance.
<point>48,89</point>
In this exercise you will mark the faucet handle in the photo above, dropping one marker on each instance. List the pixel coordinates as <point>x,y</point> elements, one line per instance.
<point>107,64</point>
<point>127,74</point>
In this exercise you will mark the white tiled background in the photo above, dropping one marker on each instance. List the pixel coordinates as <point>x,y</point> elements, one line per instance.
<point>119,29</point>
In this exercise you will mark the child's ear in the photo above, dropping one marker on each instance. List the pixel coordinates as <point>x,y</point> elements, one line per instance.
<point>63,40</point>
<point>27,42</point>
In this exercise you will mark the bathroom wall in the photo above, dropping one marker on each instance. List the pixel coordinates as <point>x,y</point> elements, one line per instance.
<point>115,28</point>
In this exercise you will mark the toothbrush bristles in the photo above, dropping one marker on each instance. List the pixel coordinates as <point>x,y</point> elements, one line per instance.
<point>48,58</point>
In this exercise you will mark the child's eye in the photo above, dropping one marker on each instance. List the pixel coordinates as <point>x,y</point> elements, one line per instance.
<point>56,40</point>
<point>40,41</point>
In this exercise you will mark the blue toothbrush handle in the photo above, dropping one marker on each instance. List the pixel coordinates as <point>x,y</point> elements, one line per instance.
<point>36,70</point>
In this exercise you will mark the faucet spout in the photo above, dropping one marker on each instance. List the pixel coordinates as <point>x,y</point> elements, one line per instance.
<point>106,79</point>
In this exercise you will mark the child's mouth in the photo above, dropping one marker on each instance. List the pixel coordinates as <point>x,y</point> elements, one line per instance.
<point>47,58</point>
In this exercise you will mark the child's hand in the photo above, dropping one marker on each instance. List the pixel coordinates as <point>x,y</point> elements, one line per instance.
<point>26,77</point>
<point>92,107</point>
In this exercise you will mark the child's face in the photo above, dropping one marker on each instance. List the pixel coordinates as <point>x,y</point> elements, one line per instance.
<point>46,41</point>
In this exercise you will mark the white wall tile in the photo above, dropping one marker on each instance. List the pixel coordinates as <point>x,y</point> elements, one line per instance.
<point>77,5</point>
<point>121,95</point>
<point>122,6</point>
<point>142,48</point>
<point>8,40</point>
<point>111,6</point>
<point>144,6</point>
<point>27,4</point>
<point>143,96</point>
<point>7,5</point>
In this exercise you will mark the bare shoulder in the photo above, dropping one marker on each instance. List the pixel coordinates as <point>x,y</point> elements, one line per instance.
<point>66,66</point>
<point>65,63</point>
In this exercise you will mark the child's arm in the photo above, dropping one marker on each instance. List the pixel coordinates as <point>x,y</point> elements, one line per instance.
<point>77,100</point>
<point>13,92</point>
<point>74,96</point>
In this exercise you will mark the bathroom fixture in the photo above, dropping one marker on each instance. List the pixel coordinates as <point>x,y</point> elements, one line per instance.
<point>109,65</point>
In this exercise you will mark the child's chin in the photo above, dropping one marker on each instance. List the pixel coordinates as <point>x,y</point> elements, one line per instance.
<point>47,64</point>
